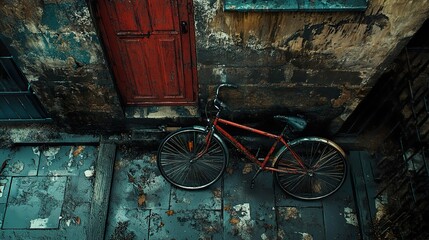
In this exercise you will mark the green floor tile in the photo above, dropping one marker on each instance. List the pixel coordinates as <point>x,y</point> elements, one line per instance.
<point>34,203</point>
<point>67,160</point>
<point>138,183</point>
<point>185,224</point>
<point>4,188</point>
<point>124,223</point>
<point>297,223</point>
<point>21,161</point>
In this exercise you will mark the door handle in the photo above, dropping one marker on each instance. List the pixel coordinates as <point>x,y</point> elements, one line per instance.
<point>184,27</point>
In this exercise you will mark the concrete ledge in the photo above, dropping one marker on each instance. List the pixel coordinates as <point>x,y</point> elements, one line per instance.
<point>43,134</point>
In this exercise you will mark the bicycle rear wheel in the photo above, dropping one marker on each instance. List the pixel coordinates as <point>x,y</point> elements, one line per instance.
<point>322,173</point>
<point>179,163</point>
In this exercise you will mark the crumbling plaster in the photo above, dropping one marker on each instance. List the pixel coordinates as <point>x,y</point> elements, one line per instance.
<point>56,46</point>
<point>353,41</point>
<point>302,47</point>
<point>320,63</point>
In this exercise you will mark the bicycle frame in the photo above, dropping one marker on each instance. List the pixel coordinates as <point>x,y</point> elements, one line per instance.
<point>246,151</point>
<point>307,168</point>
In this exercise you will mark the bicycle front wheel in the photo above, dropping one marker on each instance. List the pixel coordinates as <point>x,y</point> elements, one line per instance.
<point>313,168</point>
<point>180,163</point>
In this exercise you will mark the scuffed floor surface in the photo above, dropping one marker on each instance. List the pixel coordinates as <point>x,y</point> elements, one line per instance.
<point>144,206</point>
<point>45,191</point>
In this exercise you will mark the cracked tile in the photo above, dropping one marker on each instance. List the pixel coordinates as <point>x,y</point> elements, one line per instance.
<point>209,198</point>
<point>185,224</point>
<point>34,203</point>
<point>248,213</point>
<point>66,160</point>
<point>125,223</point>
<point>2,210</point>
<point>298,223</point>
<point>21,161</point>
<point>138,183</point>
<point>4,188</point>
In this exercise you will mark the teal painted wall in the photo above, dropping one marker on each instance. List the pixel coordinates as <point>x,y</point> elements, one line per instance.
<point>55,44</point>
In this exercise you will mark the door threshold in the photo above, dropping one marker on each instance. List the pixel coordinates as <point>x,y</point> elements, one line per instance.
<point>161,112</point>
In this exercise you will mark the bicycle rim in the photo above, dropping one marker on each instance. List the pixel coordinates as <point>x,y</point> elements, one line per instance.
<point>323,173</point>
<point>178,164</point>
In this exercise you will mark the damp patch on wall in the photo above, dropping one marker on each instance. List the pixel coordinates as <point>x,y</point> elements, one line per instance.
<point>295,5</point>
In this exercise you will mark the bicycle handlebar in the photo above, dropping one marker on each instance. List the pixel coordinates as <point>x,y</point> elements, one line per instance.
<point>218,103</point>
<point>224,85</point>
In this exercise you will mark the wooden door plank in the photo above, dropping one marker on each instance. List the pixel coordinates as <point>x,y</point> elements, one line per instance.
<point>153,64</point>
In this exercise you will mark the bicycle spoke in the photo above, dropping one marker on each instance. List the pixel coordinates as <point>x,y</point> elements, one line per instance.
<point>324,169</point>
<point>178,171</point>
<point>294,182</point>
<point>185,160</point>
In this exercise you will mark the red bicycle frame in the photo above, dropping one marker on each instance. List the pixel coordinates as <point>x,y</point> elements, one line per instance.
<point>245,150</point>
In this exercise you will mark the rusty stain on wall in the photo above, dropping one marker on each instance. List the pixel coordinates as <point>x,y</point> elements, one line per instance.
<point>318,43</point>
<point>347,38</point>
<point>283,61</point>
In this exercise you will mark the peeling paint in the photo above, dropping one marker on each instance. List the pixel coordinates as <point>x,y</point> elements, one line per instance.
<point>290,213</point>
<point>220,73</point>
<point>39,223</point>
<point>17,167</point>
<point>90,172</point>
<point>51,152</point>
<point>56,45</point>
<point>380,206</point>
<point>306,236</point>
<point>342,99</point>
<point>356,42</point>
<point>350,216</point>
<point>36,151</point>
<point>243,224</point>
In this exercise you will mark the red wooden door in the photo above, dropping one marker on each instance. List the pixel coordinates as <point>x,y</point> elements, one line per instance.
<point>150,44</point>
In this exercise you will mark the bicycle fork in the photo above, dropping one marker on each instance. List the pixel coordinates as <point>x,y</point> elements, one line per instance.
<point>207,141</point>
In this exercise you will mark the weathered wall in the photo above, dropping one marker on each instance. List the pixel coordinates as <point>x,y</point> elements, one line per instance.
<point>56,46</point>
<point>320,64</point>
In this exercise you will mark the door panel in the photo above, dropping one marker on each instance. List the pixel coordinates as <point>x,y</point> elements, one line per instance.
<point>134,52</point>
<point>163,15</point>
<point>171,73</point>
<point>151,58</point>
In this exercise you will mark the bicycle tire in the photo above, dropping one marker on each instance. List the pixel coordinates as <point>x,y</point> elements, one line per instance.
<point>324,172</point>
<point>176,159</point>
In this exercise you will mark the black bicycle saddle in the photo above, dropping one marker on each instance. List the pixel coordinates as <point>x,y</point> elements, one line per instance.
<point>296,123</point>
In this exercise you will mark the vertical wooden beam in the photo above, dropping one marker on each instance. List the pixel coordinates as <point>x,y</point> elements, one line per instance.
<point>101,195</point>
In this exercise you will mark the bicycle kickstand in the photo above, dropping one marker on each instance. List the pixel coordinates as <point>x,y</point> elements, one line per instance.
<point>252,182</point>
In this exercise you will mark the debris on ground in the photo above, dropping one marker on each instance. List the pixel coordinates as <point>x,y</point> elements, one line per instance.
<point>17,167</point>
<point>90,172</point>
<point>121,232</point>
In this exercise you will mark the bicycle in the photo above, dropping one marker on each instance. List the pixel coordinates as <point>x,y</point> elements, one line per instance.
<point>306,168</point>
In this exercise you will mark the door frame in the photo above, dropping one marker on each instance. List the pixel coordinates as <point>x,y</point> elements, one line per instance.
<point>185,9</point>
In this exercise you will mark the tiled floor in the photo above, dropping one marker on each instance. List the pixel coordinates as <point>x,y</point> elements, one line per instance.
<point>47,192</point>
<point>45,188</point>
<point>144,206</point>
